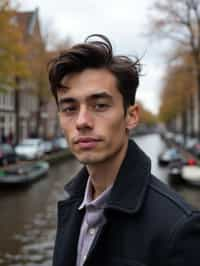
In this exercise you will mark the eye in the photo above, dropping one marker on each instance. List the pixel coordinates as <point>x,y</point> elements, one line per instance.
<point>101,106</point>
<point>69,109</point>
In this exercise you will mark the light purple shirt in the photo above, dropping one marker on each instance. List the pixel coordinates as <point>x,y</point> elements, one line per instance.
<point>92,220</point>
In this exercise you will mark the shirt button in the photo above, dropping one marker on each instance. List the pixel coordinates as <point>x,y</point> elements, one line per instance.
<point>92,231</point>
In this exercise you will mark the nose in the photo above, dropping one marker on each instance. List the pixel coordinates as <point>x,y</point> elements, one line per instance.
<point>84,119</point>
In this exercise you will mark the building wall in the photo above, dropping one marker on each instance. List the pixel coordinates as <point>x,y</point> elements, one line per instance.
<point>28,109</point>
<point>28,112</point>
<point>7,114</point>
<point>196,115</point>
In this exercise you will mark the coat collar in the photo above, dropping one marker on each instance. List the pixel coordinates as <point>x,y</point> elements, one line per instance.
<point>129,189</point>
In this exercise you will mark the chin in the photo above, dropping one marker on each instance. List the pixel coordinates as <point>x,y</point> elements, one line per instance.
<point>91,159</point>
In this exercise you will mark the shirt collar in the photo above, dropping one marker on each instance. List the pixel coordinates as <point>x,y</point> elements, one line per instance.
<point>99,202</point>
<point>130,186</point>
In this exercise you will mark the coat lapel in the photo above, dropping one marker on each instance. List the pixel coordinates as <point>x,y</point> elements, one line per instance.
<point>69,223</point>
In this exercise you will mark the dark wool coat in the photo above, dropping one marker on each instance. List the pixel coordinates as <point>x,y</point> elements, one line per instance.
<point>146,224</point>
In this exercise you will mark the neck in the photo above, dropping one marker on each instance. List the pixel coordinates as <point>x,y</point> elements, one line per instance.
<point>104,174</point>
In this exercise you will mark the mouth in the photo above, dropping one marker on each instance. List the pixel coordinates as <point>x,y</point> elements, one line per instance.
<point>87,142</point>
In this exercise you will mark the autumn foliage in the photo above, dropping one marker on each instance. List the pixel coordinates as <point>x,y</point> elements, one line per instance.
<point>179,22</point>
<point>179,85</point>
<point>146,116</point>
<point>13,52</point>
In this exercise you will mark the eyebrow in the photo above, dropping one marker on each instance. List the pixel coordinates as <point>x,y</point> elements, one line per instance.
<point>100,95</point>
<point>66,100</point>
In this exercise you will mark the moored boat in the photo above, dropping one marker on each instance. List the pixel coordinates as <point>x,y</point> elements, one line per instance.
<point>24,173</point>
<point>191,174</point>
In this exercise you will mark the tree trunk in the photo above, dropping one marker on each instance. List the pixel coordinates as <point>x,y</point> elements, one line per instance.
<point>192,115</point>
<point>38,117</point>
<point>198,106</point>
<point>184,125</point>
<point>17,110</point>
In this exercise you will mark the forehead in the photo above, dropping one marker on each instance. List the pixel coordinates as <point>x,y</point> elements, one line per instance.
<point>88,82</point>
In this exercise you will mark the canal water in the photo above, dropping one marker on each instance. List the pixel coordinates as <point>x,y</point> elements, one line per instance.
<point>28,215</point>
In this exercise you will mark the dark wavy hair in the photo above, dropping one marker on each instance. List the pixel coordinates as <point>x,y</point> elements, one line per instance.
<point>96,54</point>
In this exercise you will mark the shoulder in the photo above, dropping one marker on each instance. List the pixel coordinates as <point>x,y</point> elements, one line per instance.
<point>168,198</point>
<point>183,238</point>
<point>164,207</point>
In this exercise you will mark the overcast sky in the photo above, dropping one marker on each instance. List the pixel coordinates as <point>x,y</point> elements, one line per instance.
<point>124,22</point>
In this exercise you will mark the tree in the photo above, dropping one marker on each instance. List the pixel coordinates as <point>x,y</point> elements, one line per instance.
<point>12,50</point>
<point>146,116</point>
<point>177,93</point>
<point>38,57</point>
<point>13,54</point>
<point>179,20</point>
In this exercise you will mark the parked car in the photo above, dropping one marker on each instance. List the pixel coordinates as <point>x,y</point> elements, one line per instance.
<point>168,135</point>
<point>196,149</point>
<point>175,167</point>
<point>168,156</point>
<point>190,143</point>
<point>30,149</point>
<point>48,146</point>
<point>7,154</point>
<point>60,143</point>
<point>179,139</point>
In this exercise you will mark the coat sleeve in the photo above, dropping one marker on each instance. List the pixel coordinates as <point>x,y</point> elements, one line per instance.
<point>184,244</point>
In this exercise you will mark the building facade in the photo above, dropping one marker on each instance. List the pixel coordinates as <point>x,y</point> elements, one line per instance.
<point>28,99</point>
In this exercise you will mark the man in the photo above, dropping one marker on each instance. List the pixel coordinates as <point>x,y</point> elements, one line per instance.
<point>117,213</point>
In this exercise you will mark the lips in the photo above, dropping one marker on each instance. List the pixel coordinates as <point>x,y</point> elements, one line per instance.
<point>87,142</point>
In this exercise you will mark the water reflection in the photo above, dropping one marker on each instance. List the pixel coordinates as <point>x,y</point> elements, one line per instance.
<point>152,145</point>
<point>28,219</point>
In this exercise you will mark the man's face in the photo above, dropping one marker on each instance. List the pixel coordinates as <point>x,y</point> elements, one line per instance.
<point>92,115</point>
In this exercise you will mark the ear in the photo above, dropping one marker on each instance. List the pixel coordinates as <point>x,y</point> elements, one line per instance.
<point>132,116</point>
